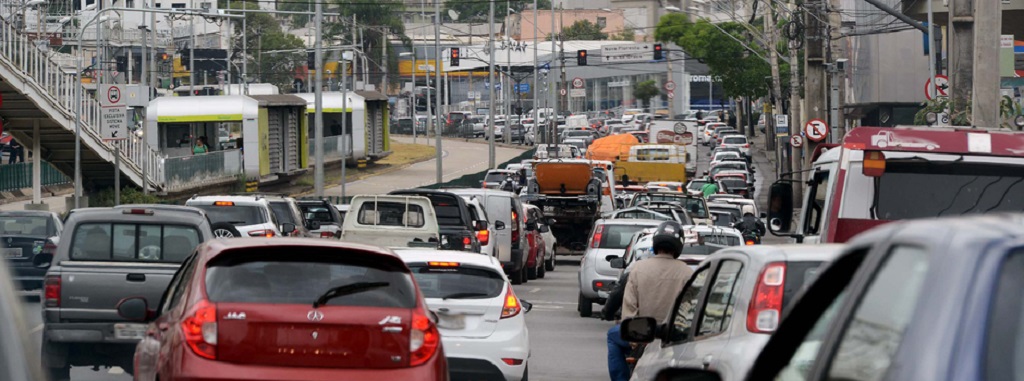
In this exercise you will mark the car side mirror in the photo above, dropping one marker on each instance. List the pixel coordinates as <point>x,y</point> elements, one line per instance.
<point>544,229</point>
<point>780,207</point>
<point>618,263</point>
<point>688,374</point>
<point>527,306</point>
<point>133,309</point>
<point>287,228</point>
<point>42,260</point>
<point>499,225</point>
<point>639,329</point>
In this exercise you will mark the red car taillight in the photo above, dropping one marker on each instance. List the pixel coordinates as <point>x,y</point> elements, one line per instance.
<point>766,305</point>
<point>200,330</point>
<point>484,236</point>
<point>746,145</point>
<point>326,235</point>
<point>262,233</point>
<point>51,291</point>
<point>594,242</point>
<point>424,339</point>
<point>515,228</point>
<point>511,307</point>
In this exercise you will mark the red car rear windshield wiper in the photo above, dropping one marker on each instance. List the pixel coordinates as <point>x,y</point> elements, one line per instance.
<point>347,289</point>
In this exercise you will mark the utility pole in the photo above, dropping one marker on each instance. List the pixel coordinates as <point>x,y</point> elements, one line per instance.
<point>490,89</point>
<point>536,81</point>
<point>795,121</point>
<point>384,40</point>
<point>837,51</point>
<point>985,103</point>
<point>773,57</point>
<point>961,54</point>
<point>814,67</point>
<point>437,79</point>
<point>552,119</point>
<point>345,136</point>
<point>563,101</point>
<point>318,117</point>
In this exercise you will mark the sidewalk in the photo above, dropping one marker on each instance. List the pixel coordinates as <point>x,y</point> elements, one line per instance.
<point>56,204</point>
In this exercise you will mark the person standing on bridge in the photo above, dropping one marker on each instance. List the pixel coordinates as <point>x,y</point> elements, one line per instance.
<point>200,146</point>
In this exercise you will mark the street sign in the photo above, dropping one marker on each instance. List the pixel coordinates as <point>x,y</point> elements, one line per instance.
<point>679,127</point>
<point>627,53</point>
<point>816,130</point>
<point>796,141</point>
<point>578,93</point>
<point>111,96</point>
<point>114,125</point>
<point>670,94</point>
<point>941,86</point>
<point>522,88</point>
<point>577,82</point>
<point>781,125</point>
<point>562,91</point>
<point>670,86</point>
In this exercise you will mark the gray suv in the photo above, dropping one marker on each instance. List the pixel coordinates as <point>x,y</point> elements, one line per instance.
<point>104,256</point>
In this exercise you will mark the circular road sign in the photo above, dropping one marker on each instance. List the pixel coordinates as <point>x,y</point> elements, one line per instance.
<point>563,92</point>
<point>670,94</point>
<point>670,86</point>
<point>816,130</point>
<point>114,95</point>
<point>679,127</point>
<point>796,141</point>
<point>577,83</point>
<point>941,86</point>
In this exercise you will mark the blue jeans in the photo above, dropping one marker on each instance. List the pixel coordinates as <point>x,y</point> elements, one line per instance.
<point>618,349</point>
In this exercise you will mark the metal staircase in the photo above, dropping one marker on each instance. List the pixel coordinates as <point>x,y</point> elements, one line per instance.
<point>37,90</point>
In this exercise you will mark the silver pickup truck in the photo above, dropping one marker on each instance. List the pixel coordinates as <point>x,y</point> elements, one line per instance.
<point>104,256</point>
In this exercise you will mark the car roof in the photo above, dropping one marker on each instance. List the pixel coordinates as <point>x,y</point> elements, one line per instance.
<point>217,247</point>
<point>478,192</point>
<point>176,213</point>
<point>27,213</point>
<point>253,199</point>
<point>423,255</point>
<point>627,221</point>
<point>722,206</point>
<point>714,229</point>
<point>789,252</point>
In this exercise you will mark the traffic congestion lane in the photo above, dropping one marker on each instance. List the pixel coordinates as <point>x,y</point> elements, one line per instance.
<point>563,346</point>
<point>459,158</point>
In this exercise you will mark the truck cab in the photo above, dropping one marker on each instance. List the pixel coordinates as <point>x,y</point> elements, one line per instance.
<point>878,175</point>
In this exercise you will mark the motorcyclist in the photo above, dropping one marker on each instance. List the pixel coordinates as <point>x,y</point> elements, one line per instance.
<point>650,291</point>
<point>710,188</point>
<point>750,224</point>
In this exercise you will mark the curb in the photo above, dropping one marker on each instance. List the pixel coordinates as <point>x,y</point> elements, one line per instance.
<point>474,141</point>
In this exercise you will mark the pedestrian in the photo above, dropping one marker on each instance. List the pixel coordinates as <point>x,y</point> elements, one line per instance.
<point>651,290</point>
<point>17,152</point>
<point>200,146</point>
<point>710,188</point>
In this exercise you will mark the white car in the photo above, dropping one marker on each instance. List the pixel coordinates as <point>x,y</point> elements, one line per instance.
<point>737,141</point>
<point>238,216</point>
<point>719,156</point>
<point>478,213</point>
<point>482,322</point>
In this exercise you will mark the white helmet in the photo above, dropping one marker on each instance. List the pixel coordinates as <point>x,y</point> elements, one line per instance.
<point>748,209</point>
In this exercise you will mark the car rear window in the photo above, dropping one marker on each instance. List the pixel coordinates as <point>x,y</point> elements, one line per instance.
<point>495,177</point>
<point>318,213</point>
<point>127,242</point>
<point>27,226</point>
<point>618,236</point>
<point>302,276</point>
<point>239,215</point>
<point>735,140</point>
<point>391,214</point>
<point>447,209</point>
<point>734,183</point>
<point>798,276</point>
<point>457,282</point>
<point>720,239</point>
<point>283,212</point>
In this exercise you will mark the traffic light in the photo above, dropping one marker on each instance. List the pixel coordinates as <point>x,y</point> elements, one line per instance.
<point>657,52</point>
<point>454,56</point>
<point>165,57</point>
<point>311,60</point>
<point>581,57</point>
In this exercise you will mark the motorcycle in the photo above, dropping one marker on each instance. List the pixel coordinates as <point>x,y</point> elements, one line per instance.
<point>751,238</point>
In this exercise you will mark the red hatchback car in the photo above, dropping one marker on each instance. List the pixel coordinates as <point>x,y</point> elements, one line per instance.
<point>298,309</point>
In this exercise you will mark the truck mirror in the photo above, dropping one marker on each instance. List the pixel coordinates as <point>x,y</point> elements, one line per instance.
<point>780,207</point>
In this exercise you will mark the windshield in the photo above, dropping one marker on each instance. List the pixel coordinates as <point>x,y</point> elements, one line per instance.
<point>921,189</point>
<point>27,226</point>
<point>495,177</point>
<point>240,215</point>
<point>318,213</point>
<point>693,205</point>
<point>618,236</point>
<point>283,212</point>
<point>734,183</point>
<point>457,282</point>
<point>735,140</point>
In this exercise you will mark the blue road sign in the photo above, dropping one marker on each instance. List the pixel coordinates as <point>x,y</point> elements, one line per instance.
<point>522,88</point>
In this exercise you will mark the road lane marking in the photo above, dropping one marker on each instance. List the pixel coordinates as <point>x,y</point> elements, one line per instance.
<point>535,290</point>
<point>36,329</point>
<point>115,370</point>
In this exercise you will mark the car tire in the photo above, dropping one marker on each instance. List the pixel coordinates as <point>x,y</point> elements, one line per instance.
<point>59,374</point>
<point>224,230</point>
<point>540,269</point>
<point>516,277</point>
<point>523,275</point>
<point>549,265</point>
<point>531,273</point>
<point>526,373</point>
<point>585,306</point>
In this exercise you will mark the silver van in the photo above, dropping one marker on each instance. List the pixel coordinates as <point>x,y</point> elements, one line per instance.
<point>508,222</point>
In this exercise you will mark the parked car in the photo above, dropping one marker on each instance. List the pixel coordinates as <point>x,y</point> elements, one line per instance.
<point>480,318</point>
<point>508,220</point>
<point>323,213</point>
<point>458,229</point>
<point>28,240</point>
<point>104,256</point>
<point>239,216</point>
<point>608,240</point>
<point>343,311</point>
<point>710,327</point>
<point>941,294</point>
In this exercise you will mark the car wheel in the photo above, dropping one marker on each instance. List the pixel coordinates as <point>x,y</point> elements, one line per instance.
<point>526,373</point>
<point>516,277</point>
<point>531,273</point>
<point>523,275</point>
<point>549,265</point>
<point>585,306</point>
<point>541,269</point>
<point>59,374</point>
<point>224,230</point>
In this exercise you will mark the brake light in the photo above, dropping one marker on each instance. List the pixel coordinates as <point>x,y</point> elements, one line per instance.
<point>746,145</point>
<point>766,305</point>
<point>515,229</point>
<point>483,236</point>
<point>145,212</point>
<point>511,307</point>
<point>200,330</point>
<point>223,203</point>
<point>594,242</point>
<point>423,339</point>
<point>749,242</point>
<point>326,235</point>
<point>466,241</point>
<point>512,361</point>
<point>874,163</point>
<point>443,264</point>
<point>262,233</point>
<point>51,291</point>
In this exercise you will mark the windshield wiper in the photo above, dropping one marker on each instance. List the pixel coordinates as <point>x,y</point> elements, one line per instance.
<point>459,295</point>
<point>347,289</point>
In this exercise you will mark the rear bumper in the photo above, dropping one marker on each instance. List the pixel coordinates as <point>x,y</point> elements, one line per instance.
<point>193,368</point>
<point>481,358</point>
<point>588,289</point>
<point>94,333</point>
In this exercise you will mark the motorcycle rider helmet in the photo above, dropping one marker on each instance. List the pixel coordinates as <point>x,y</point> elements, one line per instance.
<point>748,210</point>
<point>668,237</point>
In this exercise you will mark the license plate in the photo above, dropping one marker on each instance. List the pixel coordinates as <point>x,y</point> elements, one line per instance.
<point>129,331</point>
<point>451,321</point>
<point>11,252</point>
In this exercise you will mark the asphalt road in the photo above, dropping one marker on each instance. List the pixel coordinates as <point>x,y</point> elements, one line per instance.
<point>458,158</point>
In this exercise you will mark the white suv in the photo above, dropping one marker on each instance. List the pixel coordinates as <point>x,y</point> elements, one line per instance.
<point>482,322</point>
<point>737,141</point>
<point>239,216</point>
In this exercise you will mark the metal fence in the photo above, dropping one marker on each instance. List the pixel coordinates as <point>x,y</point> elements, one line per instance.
<point>19,176</point>
<point>188,171</point>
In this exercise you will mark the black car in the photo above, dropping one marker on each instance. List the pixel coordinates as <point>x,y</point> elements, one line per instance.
<point>322,212</point>
<point>458,230</point>
<point>24,235</point>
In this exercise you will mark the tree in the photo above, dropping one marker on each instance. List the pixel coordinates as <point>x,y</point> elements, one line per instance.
<point>583,30</point>
<point>646,90</point>
<point>627,34</point>
<point>379,19</point>
<point>475,10</point>
<point>265,36</point>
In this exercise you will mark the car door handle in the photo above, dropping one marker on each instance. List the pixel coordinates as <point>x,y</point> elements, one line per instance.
<point>707,362</point>
<point>136,277</point>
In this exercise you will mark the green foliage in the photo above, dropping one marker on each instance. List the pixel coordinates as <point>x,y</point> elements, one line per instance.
<point>1008,110</point>
<point>475,10</point>
<point>264,35</point>
<point>627,34</point>
<point>646,90</point>
<point>583,30</point>
<point>129,195</point>
<point>297,21</point>
<point>379,16</point>
<point>741,73</point>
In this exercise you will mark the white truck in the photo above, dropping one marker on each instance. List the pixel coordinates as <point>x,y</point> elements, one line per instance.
<point>391,221</point>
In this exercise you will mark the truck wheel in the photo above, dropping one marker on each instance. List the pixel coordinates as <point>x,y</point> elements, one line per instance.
<point>585,306</point>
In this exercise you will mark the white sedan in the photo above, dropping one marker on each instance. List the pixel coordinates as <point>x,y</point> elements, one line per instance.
<point>482,322</point>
